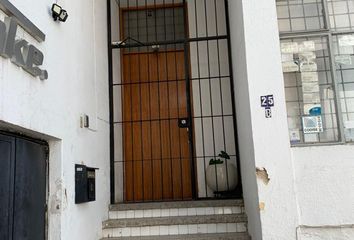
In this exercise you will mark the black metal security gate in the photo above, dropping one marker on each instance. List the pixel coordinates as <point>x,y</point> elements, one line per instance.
<point>173,124</point>
<point>22,188</point>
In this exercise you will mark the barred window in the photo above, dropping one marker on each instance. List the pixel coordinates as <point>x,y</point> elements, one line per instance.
<point>317,47</point>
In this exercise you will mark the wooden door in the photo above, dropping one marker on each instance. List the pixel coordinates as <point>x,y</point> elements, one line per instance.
<point>157,160</point>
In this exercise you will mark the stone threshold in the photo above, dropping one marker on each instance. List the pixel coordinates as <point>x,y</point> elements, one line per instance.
<point>181,204</point>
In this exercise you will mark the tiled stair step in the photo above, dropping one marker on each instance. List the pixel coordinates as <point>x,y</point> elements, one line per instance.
<point>173,209</point>
<point>180,220</point>
<point>234,223</point>
<point>216,236</point>
<point>180,204</point>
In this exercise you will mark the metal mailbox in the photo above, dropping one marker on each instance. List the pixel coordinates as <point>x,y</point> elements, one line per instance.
<point>85,184</point>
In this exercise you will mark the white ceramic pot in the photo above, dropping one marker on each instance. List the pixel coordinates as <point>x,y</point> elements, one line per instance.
<point>222,179</point>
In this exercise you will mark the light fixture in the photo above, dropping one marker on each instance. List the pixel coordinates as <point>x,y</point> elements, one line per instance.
<point>59,13</point>
<point>63,15</point>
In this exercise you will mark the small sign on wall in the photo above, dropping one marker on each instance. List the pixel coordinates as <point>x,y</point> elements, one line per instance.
<point>267,102</point>
<point>312,124</point>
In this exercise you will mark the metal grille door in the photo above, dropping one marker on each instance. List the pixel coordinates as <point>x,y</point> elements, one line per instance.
<point>172,99</point>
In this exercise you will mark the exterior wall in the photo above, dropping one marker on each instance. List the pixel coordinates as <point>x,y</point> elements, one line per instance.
<point>264,143</point>
<point>324,183</point>
<point>244,128</point>
<point>310,192</point>
<point>76,60</point>
<point>318,201</point>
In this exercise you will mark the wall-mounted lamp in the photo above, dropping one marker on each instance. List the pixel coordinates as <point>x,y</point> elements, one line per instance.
<point>59,13</point>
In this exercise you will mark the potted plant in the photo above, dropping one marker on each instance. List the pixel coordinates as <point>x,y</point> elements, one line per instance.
<point>221,174</point>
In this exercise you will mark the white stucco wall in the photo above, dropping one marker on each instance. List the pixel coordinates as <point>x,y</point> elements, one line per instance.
<point>310,194</point>
<point>264,143</point>
<point>325,191</point>
<point>244,126</point>
<point>76,60</point>
<point>319,201</point>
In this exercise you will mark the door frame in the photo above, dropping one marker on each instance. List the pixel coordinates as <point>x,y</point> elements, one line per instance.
<point>46,145</point>
<point>187,66</point>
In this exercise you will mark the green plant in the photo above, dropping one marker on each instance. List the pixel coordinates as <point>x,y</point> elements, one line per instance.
<point>223,155</point>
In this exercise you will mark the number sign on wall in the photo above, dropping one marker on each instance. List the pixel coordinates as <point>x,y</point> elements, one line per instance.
<point>267,102</point>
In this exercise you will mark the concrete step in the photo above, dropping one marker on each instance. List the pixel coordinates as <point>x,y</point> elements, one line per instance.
<point>180,220</point>
<point>215,236</point>
<point>181,204</point>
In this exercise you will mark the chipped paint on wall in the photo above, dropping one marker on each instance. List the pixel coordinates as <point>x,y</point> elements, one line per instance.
<point>262,174</point>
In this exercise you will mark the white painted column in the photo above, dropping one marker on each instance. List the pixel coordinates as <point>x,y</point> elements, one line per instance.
<point>264,143</point>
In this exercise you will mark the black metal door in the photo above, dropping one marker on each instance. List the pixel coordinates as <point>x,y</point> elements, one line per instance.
<point>22,188</point>
<point>7,160</point>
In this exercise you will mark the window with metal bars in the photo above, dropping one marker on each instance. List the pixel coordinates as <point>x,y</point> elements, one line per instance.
<point>317,47</point>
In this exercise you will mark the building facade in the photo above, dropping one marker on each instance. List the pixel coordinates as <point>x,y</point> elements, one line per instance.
<point>147,92</point>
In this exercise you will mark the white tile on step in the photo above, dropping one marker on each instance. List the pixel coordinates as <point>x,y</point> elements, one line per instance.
<point>173,230</point>
<point>130,214</point>
<point>165,212</point>
<point>212,228</point>
<point>163,230</point>
<point>154,230</point>
<point>173,212</point>
<point>121,214</point>
<point>107,233</point>
<point>236,210</point>
<point>135,231</point>
<point>183,212</point>
<point>126,232</point>
<point>182,229</point>
<point>243,209</point>
<point>221,228</point>
<point>227,210</point>
<point>241,227</point>
<point>200,211</point>
<point>117,232</point>
<point>112,214</point>
<point>202,228</point>
<point>139,214</point>
<point>156,213</point>
<point>145,231</point>
<point>231,227</point>
<point>147,213</point>
<point>192,212</point>
<point>209,211</point>
<point>192,229</point>
<point>219,210</point>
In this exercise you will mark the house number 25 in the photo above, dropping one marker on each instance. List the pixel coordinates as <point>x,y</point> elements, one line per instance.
<point>267,102</point>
